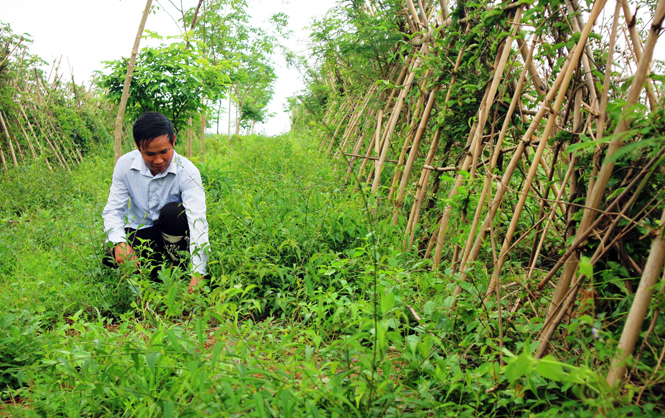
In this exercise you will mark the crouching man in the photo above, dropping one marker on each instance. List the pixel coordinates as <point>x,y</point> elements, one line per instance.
<point>156,204</point>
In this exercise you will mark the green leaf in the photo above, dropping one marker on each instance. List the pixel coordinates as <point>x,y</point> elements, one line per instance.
<point>551,369</point>
<point>199,332</point>
<point>215,353</point>
<point>151,358</point>
<point>585,267</point>
<point>387,302</point>
<point>258,401</point>
<point>519,367</point>
<point>168,409</point>
<point>174,340</point>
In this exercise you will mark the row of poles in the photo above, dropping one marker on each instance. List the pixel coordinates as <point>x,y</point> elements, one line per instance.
<point>31,132</point>
<point>367,133</point>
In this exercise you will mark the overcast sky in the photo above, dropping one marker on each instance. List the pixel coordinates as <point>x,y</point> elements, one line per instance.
<point>87,32</point>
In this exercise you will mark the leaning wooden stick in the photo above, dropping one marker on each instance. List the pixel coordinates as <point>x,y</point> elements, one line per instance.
<point>128,79</point>
<point>598,192</point>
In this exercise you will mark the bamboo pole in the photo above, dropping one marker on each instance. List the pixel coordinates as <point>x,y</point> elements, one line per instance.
<point>424,174</point>
<point>358,146</point>
<point>189,137</point>
<point>536,81</point>
<point>445,217</point>
<point>339,126</point>
<point>27,138</point>
<point>409,22</point>
<point>394,117</point>
<point>399,80</point>
<point>637,185</point>
<point>377,143</point>
<point>577,23</point>
<point>636,42</point>
<point>407,141</point>
<point>414,152</point>
<point>421,188</point>
<point>353,123</point>
<point>371,146</point>
<point>41,149</point>
<point>20,150</point>
<point>550,218</point>
<point>597,7</point>
<point>4,163</point>
<point>70,152</point>
<point>414,14</point>
<point>640,306</point>
<point>510,169</point>
<point>58,155</point>
<point>9,141</point>
<point>128,78</point>
<point>423,17</point>
<point>495,156</point>
<point>561,310</point>
<point>600,122</point>
<point>472,156</point>
<point>595,196</point>
<point>445,12</point>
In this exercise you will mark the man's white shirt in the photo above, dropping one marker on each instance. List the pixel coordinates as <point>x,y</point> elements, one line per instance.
<point>137,197</point>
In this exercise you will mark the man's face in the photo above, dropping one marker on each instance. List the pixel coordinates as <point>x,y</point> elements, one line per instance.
<point>157,154</point>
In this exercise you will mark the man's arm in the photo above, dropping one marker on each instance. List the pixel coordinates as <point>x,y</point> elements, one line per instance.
<point>193,199</point>
<point>114,215</point>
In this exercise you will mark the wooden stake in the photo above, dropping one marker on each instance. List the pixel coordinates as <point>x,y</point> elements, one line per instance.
<point>472,155</point>
<point>189,137</point>
<point>203,131</point>
<point>394,118</point>
<point>11,147</point>
<point>638,309</point>
<point>128,78</point>
<point>594,198</point>
<point>598,6</point>
<point>510,169</point>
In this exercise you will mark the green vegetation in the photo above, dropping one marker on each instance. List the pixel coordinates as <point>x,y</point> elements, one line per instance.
<point>175,80</point>
<point>310,309</point>
<point>45,120</point>
<point>338,285</point>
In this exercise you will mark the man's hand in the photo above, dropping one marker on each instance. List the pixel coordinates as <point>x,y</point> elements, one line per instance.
<point>124,252</point>
<point>196,279</point>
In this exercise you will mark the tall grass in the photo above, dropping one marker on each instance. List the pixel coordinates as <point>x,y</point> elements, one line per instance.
<point>285,325</point>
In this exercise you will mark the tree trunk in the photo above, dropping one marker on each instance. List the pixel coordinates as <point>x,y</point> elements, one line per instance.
<point>128,79</point>
<point>203,131</point>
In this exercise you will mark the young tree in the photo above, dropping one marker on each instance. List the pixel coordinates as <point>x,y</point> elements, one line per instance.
<point>175,80</point>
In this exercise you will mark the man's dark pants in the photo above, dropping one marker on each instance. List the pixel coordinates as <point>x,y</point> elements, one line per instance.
<point>162,241</point>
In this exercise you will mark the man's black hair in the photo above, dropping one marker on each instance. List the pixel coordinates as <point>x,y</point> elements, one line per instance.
<point>149,126</point>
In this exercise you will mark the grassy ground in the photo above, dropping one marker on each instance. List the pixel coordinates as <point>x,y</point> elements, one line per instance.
<point>309,310</point>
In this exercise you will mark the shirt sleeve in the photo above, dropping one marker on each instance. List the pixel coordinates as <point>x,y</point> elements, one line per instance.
<point>193,198</point>
<point>116,207</point>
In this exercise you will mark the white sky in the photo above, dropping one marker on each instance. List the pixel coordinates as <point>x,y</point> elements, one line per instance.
<point>87,32</point>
